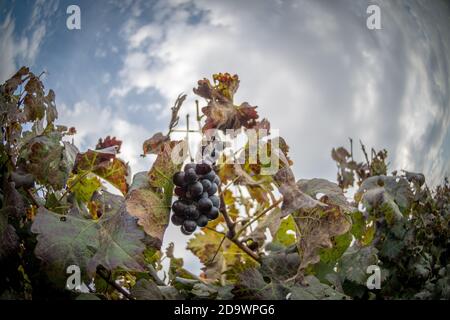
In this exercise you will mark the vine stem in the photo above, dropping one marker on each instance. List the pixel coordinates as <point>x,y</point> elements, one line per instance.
<point>112,283</point>
<point>231,231</point>
<point>187,137</point>
<point>218,249</point>
<point>257,217</point>
<point>154,274</point>
<point>229,184</point>
<point>33,199</point>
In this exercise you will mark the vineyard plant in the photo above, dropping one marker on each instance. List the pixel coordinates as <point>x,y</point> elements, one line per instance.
<point>257,235</point>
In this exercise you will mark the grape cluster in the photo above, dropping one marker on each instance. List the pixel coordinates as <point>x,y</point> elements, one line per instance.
<point>197,203</point>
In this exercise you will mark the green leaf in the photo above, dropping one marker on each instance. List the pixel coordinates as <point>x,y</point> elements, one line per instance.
<point>313,289</point>
<point>340,244</point>
<point>252,285</point>
<point>354,262</point>
<point>146,290</point>
<point>83,186</point>
<point>105,164</point>
<point>362,230</point>
<point>282,236</point>
<point>113,241</point>
<point>394,191</point>
<point>64,240</point>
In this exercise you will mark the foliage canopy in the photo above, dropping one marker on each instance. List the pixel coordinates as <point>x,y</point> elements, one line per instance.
<point>277,237</point>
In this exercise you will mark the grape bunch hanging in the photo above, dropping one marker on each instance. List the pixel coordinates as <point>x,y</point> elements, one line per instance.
<point>197,203</point>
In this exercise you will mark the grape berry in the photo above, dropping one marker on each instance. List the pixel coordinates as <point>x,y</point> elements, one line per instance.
<point>197,203</point>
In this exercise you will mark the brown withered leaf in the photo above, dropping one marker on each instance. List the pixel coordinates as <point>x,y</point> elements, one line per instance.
<point>221,112</point>
<point>104,163</point>
<point>150,196</point>
<point>15,81</point>
<point>264,124</point>
<point>293,198</point>
<point>109,142</point>
<point>175,110</point>
<point>319,226</point>
<point>154,144</point>
<point>228,116</point>
<point>47,160</point>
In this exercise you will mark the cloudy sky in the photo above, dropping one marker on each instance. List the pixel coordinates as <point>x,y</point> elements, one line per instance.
<point>312,67</point>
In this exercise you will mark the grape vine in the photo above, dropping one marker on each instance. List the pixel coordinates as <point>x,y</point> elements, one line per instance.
<point>258,235</point>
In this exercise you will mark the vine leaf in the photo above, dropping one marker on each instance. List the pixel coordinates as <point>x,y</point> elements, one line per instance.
<point>273,281</point>
<point>221,113</point>
<point>388,192</point>
<point>320,227</point>
<point>9,241</point>
<point>293,198</point>
<point>329,191</point>
<point>104,163</point>
<point>154,144</point>
<point>354,262</point>
<point>271,221</point>
<point>83,187</point>
<point>150,197</point>
<point>146,290</point>
<point>11,85</point>
<point>49,161</point>
<point>228,257</point>
<point>282,235</point>
<point>113,241</point>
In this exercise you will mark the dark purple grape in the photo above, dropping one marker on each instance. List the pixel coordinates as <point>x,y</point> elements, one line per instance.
<point>189,166</point>
<point>213,189</point>
<point>203,168</point>
<point>204,205</point>
<point>178,207</point>
<point>190,176</point>
<point>191,212</point>
<point>215,201</point>
<point>206,184</point>
<point>195,189</point>
<point>177,220</point>
<point>202,221</point>
<point>180,192</point>
<point>196,204</point>
<point>210,176</point>
<point>178,179</point>
<point>213,213</point>
<point>189,225</point>
<point>205,195</point>
<point>183,231</point>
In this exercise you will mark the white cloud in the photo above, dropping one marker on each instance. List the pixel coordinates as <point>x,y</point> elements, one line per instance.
<point>24,48</point>
<point>7,48</point>
<point>312,68</point>
<point>93,122</point>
